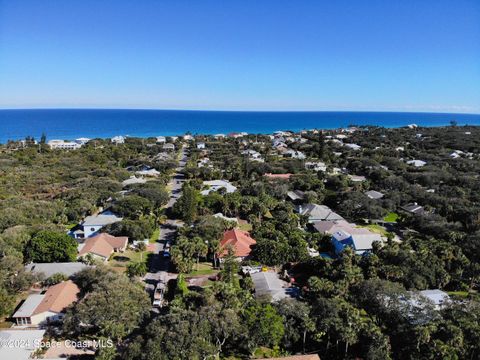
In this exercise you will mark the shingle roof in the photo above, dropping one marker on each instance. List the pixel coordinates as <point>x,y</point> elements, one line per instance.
<point>103,244</point>
<point>331,226</point>
<point>320,212</point>
<point>239,239</point>
<point>58,297</point>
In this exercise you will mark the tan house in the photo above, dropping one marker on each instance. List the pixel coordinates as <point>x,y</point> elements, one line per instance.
<point>40,308</point>
<point>102,246</point>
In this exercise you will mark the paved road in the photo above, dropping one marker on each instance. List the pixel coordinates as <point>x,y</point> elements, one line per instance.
<point>160,264</point>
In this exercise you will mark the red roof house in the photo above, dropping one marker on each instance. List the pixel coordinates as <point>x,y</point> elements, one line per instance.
<point>278,176</point>
<point>240,241</point>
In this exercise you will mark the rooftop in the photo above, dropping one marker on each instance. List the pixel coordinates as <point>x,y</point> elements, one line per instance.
<point>318,212</point>
<point>268,283</point>
<point>58,297</point>
<point>103,244</point>
<point>240,240</point>
<point>27,337</point>
<point>101,219</point>
<point>48,269</point>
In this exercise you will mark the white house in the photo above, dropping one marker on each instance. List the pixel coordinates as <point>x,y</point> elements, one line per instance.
<point>294,154</point>
<point>63,145</point>
<point>82,141</point>
<point>417,163</point>
<point>215,185</point>
<point>357,178</point>
<point>148,172</point>
<point>205,162</point>
<point>118,139</point>
<point>133,180</point>
<point>353,146</point>
<point>168,147</point>
<point>161,140</point>
<point>38,309</point>
<point>92,224</point>
<point>315,166</point>
<point>201,145</point>
<point>253,155</point>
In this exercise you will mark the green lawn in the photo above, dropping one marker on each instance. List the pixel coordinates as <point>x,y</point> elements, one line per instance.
<point>70,226</point>
<point>154,237</point>
<point>376,229</point>
<point>119,261</point>
<point>245,227</point>
<point>458,294</point>
<point>204,268</point>
<point>391,217</point>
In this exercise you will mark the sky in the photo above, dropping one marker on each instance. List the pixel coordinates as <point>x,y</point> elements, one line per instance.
<point>405,55</point>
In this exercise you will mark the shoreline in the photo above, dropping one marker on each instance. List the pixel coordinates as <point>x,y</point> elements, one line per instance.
<point>167,134</point>
<point>70,124</point>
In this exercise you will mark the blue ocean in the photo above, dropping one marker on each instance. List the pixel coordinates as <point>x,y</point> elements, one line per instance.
<point>92,123</point>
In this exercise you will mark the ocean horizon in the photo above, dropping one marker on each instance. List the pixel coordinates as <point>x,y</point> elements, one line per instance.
<point>69,124</point>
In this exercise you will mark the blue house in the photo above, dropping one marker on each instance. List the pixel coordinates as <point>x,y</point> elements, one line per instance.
<point>359,239</point>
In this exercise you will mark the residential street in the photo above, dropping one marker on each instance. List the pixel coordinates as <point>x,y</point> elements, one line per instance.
<point>160,264</point>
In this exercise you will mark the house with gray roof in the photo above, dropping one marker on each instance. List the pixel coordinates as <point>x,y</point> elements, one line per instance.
<point>215,185</point>
<point>296,195</point>
<point>413,208</point>
<point>30,339</point>
<point>269,284</point>
<point>93,223</point>
<point>317,212</point>
<point>48,269</point>
<point>375,195</point>
<point>133,180</point>
<point>359,239</point>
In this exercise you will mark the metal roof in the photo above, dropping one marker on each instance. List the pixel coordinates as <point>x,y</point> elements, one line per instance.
<point>29,305</point>
<point>48,269</point>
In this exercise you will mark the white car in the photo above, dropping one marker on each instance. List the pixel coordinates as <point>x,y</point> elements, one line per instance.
<point>251,269</point>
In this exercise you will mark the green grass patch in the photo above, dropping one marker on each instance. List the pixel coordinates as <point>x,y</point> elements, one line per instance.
<point>155,235</point>
<point>376,229</point>
<point>458,294</point>
<point>204,268</point>
<point>245,227</point>
<point>391,217</point>
<point>121,260</point>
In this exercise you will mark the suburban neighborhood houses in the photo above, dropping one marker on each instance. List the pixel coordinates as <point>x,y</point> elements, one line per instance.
<point>279,235</point>
<point>48,307</point>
